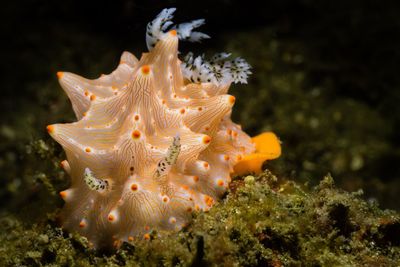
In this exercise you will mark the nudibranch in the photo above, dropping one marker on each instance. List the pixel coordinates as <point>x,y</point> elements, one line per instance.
<point>154,140</point>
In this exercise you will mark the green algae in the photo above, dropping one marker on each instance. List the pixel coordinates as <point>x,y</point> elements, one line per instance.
<point>260,222</point>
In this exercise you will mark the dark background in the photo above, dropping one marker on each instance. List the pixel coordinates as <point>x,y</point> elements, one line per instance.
<point>347,52</point>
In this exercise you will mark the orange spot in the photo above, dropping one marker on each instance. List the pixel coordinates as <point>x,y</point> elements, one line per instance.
<point>130,238</point>
<point>206,140</point>
<point>136,134</point>
<point>114,87</point>
<point>50,128</point>
<point>229,131</point>
<point>173,32</point>
<point>197,207</point>
<point>205,165</point>
<point>207,128</point>
<point>86,93</point>
<point>60,74</point>
<point>208,200</point>
<point>111,217</point>
<point>220,182</point>
<point>82,224</point>
<point>199,108</point>
<point>196,178</point>
<point>84,114</point>
<point>232,99</point>
<point>226,157</point>
<point>88,150</point>
<point>182,111</point>
<point>146,69</point>
<point>147,228</point>
<point>136,117</point>
<point>185,187</point>
<point>189,209</point>
<point>134,187</point>
<point>92,97</point>
<point>163,101</point>
<point>63,194</point>
<point>239,157</point>
<point>235,134</point>
<point>146,236</point>
<point>165,199</point>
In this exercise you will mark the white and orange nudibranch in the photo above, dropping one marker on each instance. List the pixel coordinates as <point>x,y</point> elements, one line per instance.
<point>154,140</point>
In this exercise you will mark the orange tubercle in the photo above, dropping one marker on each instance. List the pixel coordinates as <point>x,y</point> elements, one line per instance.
<point>60,74</point>
<point>173,32</point>
<point>185,187</point>
<point>63,194</point>
<point>135,134</point>
<point>82,224</point>
<point>208,200</point>
<point>92,97</point>
<point>146,236</point>
<point>206,139</point>
<point>146,69</point>
<point>111,217</point>
<point>232,99</point>
<point>88,150</point>
<point>50,129</point>
<point>134,187</point>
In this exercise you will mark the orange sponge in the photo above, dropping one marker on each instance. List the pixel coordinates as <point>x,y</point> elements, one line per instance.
<point>267,147</point>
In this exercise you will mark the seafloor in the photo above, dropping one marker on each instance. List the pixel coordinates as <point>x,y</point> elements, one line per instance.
<point>328,87</point>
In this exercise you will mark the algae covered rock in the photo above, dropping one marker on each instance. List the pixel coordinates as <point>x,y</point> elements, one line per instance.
<point>260,222</point>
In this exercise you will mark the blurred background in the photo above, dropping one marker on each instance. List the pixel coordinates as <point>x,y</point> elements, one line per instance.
<point>326,81</point>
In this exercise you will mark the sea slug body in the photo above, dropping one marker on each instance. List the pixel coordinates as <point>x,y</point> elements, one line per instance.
<point>154,140</point>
